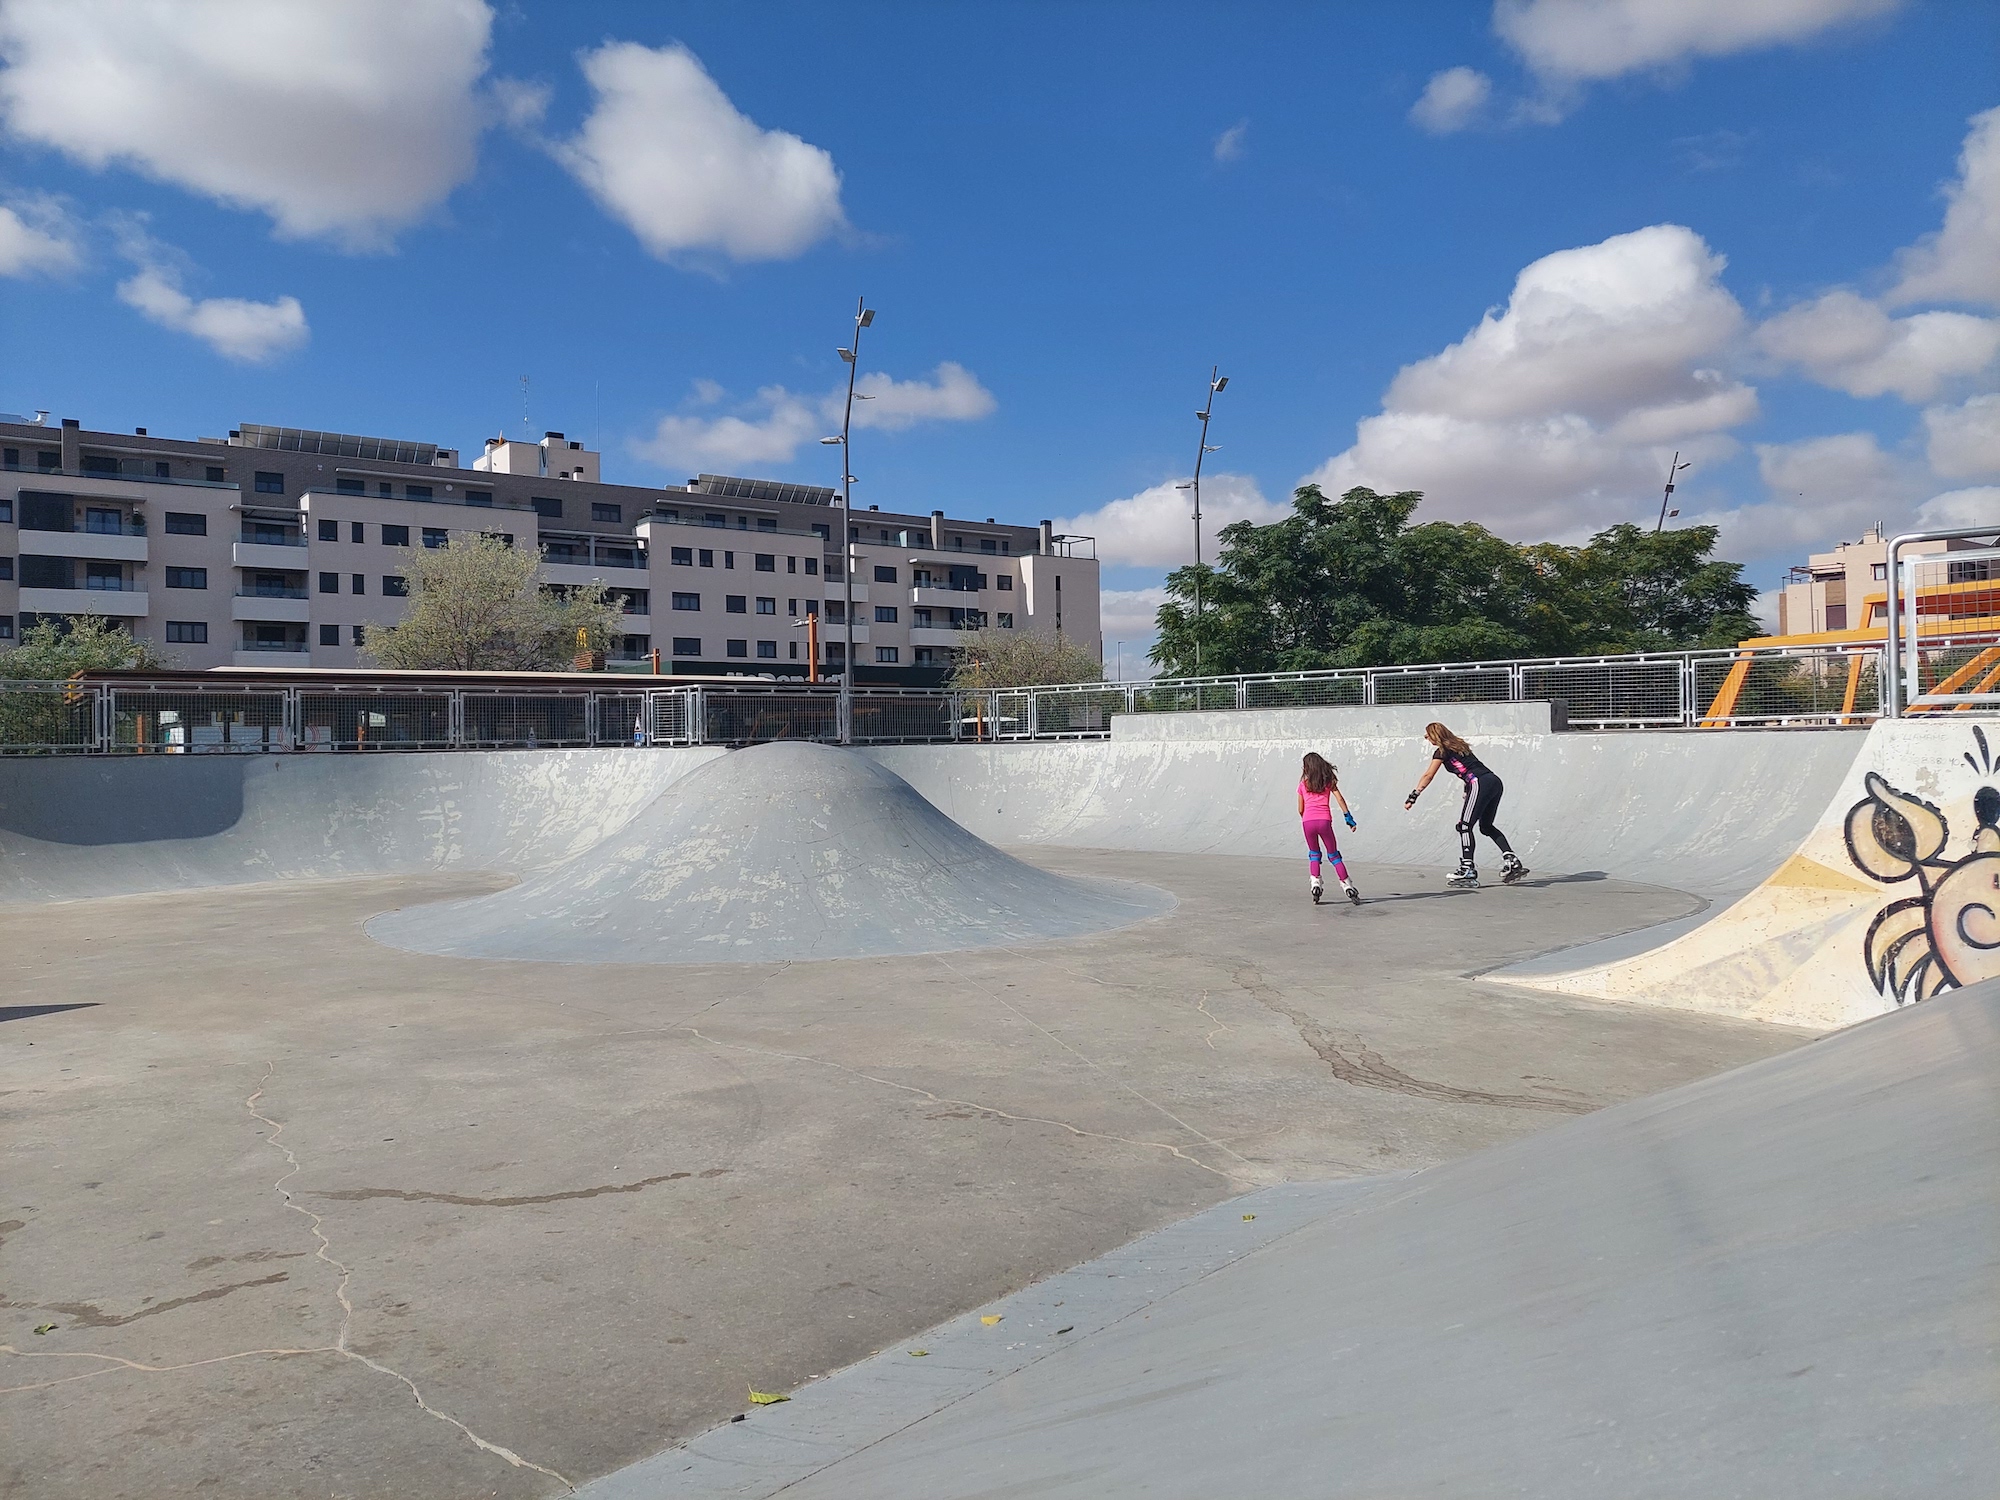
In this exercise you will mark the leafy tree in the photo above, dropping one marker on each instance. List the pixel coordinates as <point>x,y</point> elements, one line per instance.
<point>1352,583</point>
<point>478,605</point>
<point>56,651</point>
<point>1008,659</point>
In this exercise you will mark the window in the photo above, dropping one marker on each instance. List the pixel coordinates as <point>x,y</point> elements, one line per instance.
<point>767,650</point>
<point>6,627</point>
<point>358,635</point>
<point>270,484</point>
<point>435,536</point>
<point>823,531</point>
<point>634,601</point>
<point>6,569</point>
<point>385,489</point>
<point>958,544</point>
<point>885,575</point>
<point>214,475</point>
<point>835,650</point>
<point>604,510</point>
<point>547,507</point>
<point>767,606</point>
<point>479,497</point>
<point>48,459</point>
<point>357,531</point>
<point>836,612</point>
<point>707,558</point>
<point>394,586</point>
<point>6,510</point>
<point>887,653</point>
<point>729,559</point>
<point>1006,619</point>
<point>11,457</point>
<point>812,567</point>
<point>712,519</point>
<point>345,485</point>
<point>687,601</point>
<point>925,656</point>
<point>687,645</point>
<point>921,618</point>
<point>1881,572</point>
<point>329,531</point>
<point>885,614</point>
<point>736,604</point>
<point>186,523</point>
<point>791,565</point>
<point>1006,583</point>
<point>104,575</point>
<point>46,572</point>
<point>682,557</point>
<point>329,635</point>
<point>792,648</point>
<point>395,536</point>
<point>423,492</point>
<point>187,578</point>
<point>767,562</point>
<point>360,582</point>
<point>738,648</point>
<point>329,583</point>
<point>161,469</point>
<point>986,544</point>
<point>187,632</point>
<point>102,522</point>
<point>766,523</point>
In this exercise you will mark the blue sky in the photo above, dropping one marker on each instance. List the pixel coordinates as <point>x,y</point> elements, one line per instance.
<point>1766,233</point>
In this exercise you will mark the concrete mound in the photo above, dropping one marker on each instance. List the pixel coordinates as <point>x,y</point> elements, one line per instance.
<point>781,851</point>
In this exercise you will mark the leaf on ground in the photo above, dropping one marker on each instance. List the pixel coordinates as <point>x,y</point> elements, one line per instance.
<point>1248,1217</point>
<point>767,1398</point>
<point>45,1328</point>
<point>919,1353</point>
<point>1070,1329</point>
<point>990,1319</point>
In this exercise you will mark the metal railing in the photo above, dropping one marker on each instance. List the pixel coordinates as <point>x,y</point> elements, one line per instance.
<point>1943,609</point>
<point>1823,685</point>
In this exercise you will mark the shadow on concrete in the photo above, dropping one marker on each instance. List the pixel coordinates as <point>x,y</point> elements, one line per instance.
<point>121,799</point>
<point>23,1012</point>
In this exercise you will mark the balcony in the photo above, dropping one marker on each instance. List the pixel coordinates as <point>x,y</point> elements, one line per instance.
<point>938,635</point>
<point>248,655</point>
<point>100,476</point>
<point>116,603</point>
<point>125,545</point>
<point>279,556</point>
<point>292,608</point>
<point>582,574</point>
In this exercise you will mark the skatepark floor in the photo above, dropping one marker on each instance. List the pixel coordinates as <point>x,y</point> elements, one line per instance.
<point>305,1215</point>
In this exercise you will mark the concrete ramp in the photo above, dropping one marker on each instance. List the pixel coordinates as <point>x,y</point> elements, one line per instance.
<point>1775,1283</point>
<point>781,851</point>
<point>1891,897</point>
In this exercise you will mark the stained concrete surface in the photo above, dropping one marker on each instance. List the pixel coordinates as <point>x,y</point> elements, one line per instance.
<point>273,1183</point>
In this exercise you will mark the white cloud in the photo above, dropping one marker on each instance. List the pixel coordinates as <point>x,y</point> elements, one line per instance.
<point>343,121</point>
<point>1961,262</point>
<point>1583,40</point>
<point>37,238</point>
<point>1559,413</point>
<point>665,151</point>
<point>1155,528</point>
<point>778,422</point>
<point>1229,145</point>
<point>1849,343</point>
<point>1818,490</point>
<point>1964,440</point>
<point>1452,100</point>
<point>1128,615</point>
<point>1973,507</point>
<point>238,329</point>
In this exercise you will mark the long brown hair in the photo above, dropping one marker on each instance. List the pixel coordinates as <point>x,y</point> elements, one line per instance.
<point>1444,739</point>
<point>1319,775</point>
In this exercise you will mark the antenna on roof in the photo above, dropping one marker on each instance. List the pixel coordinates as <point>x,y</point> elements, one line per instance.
<point>524,408</point>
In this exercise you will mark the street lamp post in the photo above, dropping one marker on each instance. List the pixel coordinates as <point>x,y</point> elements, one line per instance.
<point>1673,469</point>
<point>863,316</point>
<point>1215,383</point>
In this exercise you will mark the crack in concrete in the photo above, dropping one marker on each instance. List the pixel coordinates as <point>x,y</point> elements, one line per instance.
<point>90,1315</point>
<point>358,1195</point>
<point>1365,1068</point>
<point>340,1344</point>
<point>985,1109</point>
<point>1097,1068</point>
<point>1202,1006</point>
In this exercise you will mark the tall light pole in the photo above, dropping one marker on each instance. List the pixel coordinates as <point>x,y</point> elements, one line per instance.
<point>1672,469</point>
<point>863,316</point>
<point>1215,383</point>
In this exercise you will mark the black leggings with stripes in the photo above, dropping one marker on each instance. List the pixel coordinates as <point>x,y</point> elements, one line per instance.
<point>1482,800</point>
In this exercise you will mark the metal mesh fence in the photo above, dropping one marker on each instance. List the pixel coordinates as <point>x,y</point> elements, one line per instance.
<point>525,720</point>
<point>621,719</point>
<point>199,722</point>
<point>47,718</point>
<point>1343,690</point>
<point>669,716</point>
<point>374,721</point>
<point>1472,684</point>
<point>1610,692</point>
<point>734,717</point>
<point>893,718</point>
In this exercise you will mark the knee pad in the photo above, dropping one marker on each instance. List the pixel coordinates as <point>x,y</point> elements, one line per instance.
<point>1465,828</point>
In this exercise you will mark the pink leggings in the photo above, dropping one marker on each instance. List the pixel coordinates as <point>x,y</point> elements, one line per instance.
<point>1319,832</point>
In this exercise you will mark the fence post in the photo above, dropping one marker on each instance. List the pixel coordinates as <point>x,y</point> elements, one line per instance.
<point>454,718</point>
<point>590,717</point>
<point>295,717</point>
<point>1517,687</point>
<point>1242,692</point>
<point>1368,688</point>
<point>1690,688</point>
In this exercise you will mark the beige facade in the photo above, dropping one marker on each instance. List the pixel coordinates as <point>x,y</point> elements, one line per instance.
<point>1847,589</point>
<point>233,552</point>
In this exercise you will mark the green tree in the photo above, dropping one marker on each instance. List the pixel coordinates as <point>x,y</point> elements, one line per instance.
<point>1008,659</point>
<point>57,651</point>
<point>478,605</point>
<point>1352,583</point>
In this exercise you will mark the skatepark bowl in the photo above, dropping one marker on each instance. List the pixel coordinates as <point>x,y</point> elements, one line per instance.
<point>979,1120</point>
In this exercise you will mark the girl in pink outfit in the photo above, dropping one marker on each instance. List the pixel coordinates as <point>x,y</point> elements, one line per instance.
<point>1319,789</point>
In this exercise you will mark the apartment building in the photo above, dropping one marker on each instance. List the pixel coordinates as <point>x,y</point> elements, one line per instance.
<point>282,547</point>
<point>1844,593</point>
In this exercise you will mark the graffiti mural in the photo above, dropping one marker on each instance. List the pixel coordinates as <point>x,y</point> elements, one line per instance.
<point>1948,934</point>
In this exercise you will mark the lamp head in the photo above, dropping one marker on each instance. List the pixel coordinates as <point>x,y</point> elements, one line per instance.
<point>1220,382</point>
<point>867,316</point>
<point>848,355</point>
